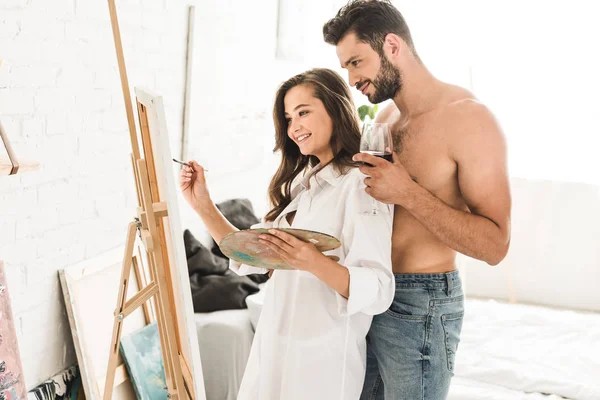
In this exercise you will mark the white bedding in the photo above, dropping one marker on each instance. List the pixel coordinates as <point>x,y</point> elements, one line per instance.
<point>507,352</point>
<point>225,338</point>
<point>466,389</point>
<point>530,349</point>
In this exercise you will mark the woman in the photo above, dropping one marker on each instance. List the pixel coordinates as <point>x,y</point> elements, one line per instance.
<point>310,339</point>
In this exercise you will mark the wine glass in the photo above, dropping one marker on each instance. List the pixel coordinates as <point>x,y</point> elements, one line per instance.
<point>376,139</point>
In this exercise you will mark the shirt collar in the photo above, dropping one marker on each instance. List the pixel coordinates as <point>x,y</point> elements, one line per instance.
<point>326,174</point>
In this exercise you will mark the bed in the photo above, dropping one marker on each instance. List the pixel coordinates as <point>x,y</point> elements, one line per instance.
<point>225,338</point>
<point>514,351</point>
<point>507,352</point>
<point>467,389</point>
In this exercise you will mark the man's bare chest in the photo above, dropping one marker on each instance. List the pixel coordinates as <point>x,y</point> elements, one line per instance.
<point>424,152</point>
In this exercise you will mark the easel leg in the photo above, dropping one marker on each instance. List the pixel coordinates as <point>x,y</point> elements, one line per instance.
<point>141,283</point>
<point>168,338</point>
<point>165,313</point>
<point>160,318</point>
<point>118,325</point>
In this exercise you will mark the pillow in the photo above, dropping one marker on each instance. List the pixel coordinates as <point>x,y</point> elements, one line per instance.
<point>221,292</point>
<point>239,213</point>
<point>201,261</point>
<point>214,286</point>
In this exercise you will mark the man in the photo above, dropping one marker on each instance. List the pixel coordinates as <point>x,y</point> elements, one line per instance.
<point>449,183</point>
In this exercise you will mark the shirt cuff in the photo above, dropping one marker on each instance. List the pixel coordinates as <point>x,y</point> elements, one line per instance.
<point>364,289</point>
<point>243,269</point>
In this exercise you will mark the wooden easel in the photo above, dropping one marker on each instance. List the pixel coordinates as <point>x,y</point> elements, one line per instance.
<point>150,223</point>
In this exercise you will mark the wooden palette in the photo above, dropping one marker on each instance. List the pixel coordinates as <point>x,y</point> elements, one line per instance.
<point>244,247</point>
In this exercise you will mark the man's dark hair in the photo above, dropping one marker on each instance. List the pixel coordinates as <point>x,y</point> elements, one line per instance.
<point>371,21</point>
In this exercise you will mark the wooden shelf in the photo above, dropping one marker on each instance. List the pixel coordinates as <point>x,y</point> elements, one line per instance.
<point>24,166</point>
<point>6,162</point>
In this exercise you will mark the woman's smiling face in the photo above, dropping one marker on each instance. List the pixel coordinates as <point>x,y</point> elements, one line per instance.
<point>309,125</point>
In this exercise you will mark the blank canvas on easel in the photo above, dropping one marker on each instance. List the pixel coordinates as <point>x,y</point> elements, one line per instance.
<point>157,153</point>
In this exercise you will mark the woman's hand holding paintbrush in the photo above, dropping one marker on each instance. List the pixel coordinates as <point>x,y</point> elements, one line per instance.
<point>186,164</point>
<point>193,185</point>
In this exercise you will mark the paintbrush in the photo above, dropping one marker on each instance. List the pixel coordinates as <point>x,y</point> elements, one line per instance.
<point>186,164</point>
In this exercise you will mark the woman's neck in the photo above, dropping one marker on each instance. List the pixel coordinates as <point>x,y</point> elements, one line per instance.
<point>324,159</point>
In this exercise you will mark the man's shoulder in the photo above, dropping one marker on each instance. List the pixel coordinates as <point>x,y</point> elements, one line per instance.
<point>389,113</point>
<point>463,111</point>
<point>461,102</point>
<point>471,113</point>
<point>470,123</point>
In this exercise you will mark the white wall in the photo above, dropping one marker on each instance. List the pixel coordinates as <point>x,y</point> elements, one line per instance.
<point>554,254</point>
<point>234,79</point>
<point>61,104</point>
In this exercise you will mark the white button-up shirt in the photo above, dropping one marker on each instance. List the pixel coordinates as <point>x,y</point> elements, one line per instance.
<point>310,341</point>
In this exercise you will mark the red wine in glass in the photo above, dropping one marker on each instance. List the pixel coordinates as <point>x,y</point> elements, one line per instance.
<point>376,139</point>
<point>387,156</point>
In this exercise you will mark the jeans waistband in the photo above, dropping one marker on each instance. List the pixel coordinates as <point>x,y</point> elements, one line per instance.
<point>446,280</point>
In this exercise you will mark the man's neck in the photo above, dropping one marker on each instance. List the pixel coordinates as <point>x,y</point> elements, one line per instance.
<point>420,91</point>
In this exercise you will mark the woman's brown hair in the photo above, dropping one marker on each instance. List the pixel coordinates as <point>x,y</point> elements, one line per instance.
<point>335,95</point>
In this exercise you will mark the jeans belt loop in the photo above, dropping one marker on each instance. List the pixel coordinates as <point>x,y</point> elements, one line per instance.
<point>449,283</point>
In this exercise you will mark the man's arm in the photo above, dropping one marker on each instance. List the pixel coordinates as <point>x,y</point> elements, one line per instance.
<point>479,150</point>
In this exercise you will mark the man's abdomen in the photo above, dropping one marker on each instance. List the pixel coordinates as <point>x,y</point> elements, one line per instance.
<point>416,250</point>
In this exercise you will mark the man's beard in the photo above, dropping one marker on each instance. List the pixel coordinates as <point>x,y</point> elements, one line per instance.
<point>387,83</point>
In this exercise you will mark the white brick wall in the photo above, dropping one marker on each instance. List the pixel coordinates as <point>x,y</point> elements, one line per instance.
<point>61,104</point>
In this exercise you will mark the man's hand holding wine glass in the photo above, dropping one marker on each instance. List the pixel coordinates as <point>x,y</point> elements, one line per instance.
<point>387,180</point>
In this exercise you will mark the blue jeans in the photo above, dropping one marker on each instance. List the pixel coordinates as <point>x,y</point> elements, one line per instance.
<point>411,347</point>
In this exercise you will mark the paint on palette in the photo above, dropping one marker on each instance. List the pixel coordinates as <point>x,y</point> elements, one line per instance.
<point>244,246</point>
